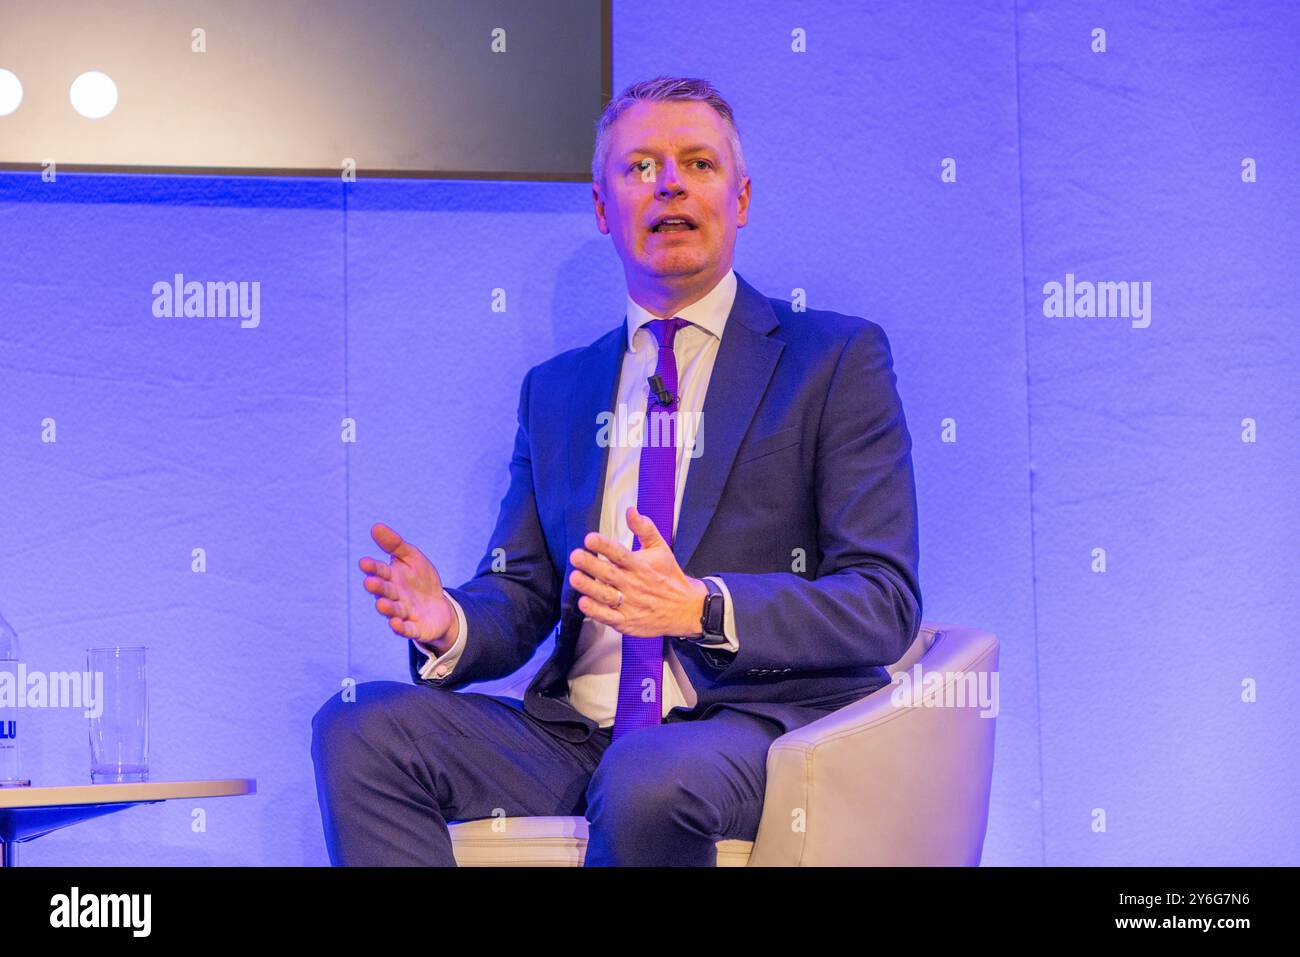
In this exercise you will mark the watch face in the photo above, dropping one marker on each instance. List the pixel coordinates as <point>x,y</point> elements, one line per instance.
<point>713,614</point>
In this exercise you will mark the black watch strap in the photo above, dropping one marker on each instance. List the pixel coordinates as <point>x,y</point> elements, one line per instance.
<point>714,617</point>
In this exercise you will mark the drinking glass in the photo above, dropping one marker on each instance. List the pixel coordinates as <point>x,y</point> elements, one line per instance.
<point>119,733</point>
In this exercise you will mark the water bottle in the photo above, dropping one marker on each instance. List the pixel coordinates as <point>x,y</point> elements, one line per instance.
<point>10,774</point>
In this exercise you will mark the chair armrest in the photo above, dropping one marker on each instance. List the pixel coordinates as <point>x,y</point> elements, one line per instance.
<point>878,783</point>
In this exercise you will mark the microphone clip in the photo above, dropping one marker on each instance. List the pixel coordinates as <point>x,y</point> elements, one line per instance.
<point>661,394</point>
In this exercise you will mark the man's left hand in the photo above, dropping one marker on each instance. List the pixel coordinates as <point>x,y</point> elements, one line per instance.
<point>658,597</point>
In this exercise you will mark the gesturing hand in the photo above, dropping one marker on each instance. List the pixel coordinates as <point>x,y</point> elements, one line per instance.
<point>658,598</point>
<point>410,592</point>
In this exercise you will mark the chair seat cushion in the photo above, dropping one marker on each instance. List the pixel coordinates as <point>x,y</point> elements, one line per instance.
<point>545,842</point>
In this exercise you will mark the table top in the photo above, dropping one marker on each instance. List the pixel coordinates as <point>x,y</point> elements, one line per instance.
<point>62,795</point>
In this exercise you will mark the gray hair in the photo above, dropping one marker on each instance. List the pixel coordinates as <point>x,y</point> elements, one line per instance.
<point>661,89</point>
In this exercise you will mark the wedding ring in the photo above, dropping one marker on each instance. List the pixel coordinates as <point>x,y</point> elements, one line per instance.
<point>620,599</point>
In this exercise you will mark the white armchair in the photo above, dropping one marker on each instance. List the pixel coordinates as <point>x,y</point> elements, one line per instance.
<point>874,783</point>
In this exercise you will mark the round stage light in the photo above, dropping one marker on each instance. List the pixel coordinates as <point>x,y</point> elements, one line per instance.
<point>11,92</point>
<point>93,94</point>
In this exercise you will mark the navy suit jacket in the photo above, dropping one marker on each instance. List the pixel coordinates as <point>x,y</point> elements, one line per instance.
<point>805,452</point>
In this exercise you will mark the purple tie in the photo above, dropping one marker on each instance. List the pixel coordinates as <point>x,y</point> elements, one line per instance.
<point>640,676</point>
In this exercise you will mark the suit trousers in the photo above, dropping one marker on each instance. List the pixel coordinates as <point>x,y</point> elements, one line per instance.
<point>401,761</point>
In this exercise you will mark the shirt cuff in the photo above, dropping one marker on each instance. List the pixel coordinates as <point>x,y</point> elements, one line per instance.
<point>728,617</point>
<point>440,666</point>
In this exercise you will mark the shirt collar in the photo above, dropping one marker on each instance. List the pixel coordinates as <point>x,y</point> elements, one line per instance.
<point>709,312</point>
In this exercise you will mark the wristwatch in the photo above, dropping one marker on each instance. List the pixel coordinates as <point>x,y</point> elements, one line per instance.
<point>711,622</point>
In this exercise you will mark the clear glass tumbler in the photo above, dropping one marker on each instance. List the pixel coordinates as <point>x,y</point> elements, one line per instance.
<point>119,732</point>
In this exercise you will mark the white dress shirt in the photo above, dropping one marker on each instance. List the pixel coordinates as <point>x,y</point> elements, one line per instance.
<point>593,677</point>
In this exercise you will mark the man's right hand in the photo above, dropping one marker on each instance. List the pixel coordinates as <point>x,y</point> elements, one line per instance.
<point>410,592</point>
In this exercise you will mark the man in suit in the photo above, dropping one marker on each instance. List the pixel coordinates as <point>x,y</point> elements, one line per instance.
<point>741,564</point>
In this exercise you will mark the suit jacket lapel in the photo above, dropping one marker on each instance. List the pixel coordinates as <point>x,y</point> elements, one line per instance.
<point>595,390</point>
<point>743,367</point>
